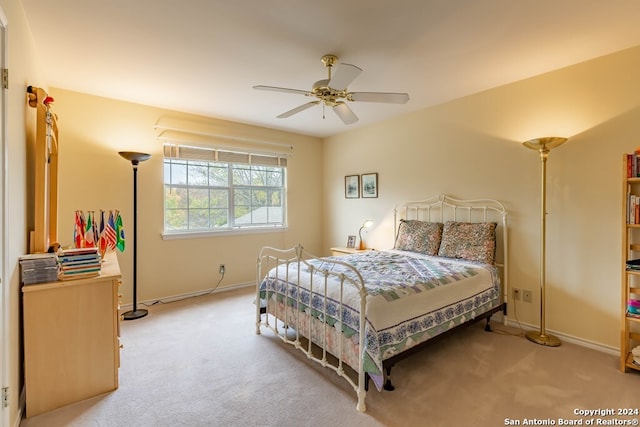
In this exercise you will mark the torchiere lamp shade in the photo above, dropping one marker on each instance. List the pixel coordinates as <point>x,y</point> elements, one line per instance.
<point>133,156</point>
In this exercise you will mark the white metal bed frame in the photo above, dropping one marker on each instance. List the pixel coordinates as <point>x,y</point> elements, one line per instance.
<point>439,208</point>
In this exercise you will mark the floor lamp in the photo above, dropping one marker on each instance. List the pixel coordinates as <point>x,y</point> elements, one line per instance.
<point>543,146</point>
<point>135,158</point>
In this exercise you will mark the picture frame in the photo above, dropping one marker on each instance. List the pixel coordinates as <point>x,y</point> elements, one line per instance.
<point>351,241</point>
<point>369,185</point>
<point>352,186</point>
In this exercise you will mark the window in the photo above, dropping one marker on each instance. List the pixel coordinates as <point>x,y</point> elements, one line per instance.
<point>218,190</point>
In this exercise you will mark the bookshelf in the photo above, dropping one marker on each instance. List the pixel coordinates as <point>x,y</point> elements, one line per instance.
<point>630,319</point>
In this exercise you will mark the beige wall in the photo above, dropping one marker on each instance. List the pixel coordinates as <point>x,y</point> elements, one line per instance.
<point>468,148</point>
<point>471,148</point>
<point>20,121</point>
<point>93,176</point>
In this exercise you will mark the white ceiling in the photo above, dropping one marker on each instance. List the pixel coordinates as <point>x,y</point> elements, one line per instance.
<point>204,56</point>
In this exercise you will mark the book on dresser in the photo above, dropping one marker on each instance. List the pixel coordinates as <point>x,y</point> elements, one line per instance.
<point>38,268</point>
<point>78,263</point>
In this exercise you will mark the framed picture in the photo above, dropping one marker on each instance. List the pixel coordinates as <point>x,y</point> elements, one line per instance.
<point>369,185</point>
<point>351,241</point>
<point>352,186</point>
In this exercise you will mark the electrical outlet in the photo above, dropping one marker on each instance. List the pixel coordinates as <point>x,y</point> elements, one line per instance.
<point>526,296</point>
<point>222,269</point>
<point>516,294</point>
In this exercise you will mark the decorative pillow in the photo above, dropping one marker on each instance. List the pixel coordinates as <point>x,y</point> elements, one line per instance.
<point>472,241</point>
<point>419,236</point>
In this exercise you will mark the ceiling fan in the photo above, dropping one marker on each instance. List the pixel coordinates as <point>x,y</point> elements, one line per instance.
<point>332,92</point>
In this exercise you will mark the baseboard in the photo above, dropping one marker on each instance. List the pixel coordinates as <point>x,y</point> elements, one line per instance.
<point>173,298</point>
<point>22,406</point>
<point>568,338</point>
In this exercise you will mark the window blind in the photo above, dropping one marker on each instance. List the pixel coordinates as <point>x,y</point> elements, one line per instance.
<point>186,152</point>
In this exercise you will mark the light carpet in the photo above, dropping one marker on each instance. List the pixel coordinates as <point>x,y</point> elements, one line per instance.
<point>198,362</point>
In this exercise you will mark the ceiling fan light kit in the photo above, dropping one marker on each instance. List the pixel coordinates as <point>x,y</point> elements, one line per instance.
<point>332,92</point>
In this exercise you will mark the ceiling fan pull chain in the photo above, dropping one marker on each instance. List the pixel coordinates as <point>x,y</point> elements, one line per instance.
<point>323,104</point>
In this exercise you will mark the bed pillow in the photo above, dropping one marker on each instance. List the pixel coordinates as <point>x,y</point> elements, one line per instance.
<point>419,236</point>
<point>472,241</point>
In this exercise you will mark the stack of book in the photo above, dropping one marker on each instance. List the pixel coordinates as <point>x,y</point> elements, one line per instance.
<point>38,268</point>
<point>78,263</point>
<point>633,164</point>
<point>633,209</point>
<point>633,264</point>
<point>633,307</point>
<point>636,355</point>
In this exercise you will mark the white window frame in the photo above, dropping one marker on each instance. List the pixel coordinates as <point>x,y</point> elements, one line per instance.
<point>182,153</point>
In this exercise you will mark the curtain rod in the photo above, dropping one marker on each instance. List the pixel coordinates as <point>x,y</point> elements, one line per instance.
<point>222,147</point>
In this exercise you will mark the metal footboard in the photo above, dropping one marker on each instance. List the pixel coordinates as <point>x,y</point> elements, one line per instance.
<point>285,268</point>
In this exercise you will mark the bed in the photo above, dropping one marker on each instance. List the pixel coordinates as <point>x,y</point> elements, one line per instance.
<point>360,314</point>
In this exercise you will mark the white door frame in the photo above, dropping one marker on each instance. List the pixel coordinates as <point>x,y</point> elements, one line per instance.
<point>4,282</point>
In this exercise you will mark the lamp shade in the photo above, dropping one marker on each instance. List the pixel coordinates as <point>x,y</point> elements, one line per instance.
<point>545,144</point>
<point>368,223</point>
<point>134,157</point>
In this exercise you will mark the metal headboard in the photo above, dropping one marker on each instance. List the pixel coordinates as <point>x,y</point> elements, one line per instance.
<point>442,208</point>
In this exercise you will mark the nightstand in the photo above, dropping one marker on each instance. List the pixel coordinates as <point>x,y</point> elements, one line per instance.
<point>341,250</point>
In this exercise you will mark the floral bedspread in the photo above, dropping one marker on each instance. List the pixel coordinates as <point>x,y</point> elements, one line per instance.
<point>410,298</point>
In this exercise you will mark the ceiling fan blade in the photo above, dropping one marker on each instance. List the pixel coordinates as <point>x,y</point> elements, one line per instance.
<point>388,97</point>
<point>344,112</point>
<point>343,75</point>
<point>297,109</point>
<point>283,89</point>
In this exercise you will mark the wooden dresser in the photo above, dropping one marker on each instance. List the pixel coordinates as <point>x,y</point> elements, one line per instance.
<point>71,339</point>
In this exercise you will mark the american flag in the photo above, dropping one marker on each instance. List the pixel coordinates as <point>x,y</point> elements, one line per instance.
<point>110,232</point>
